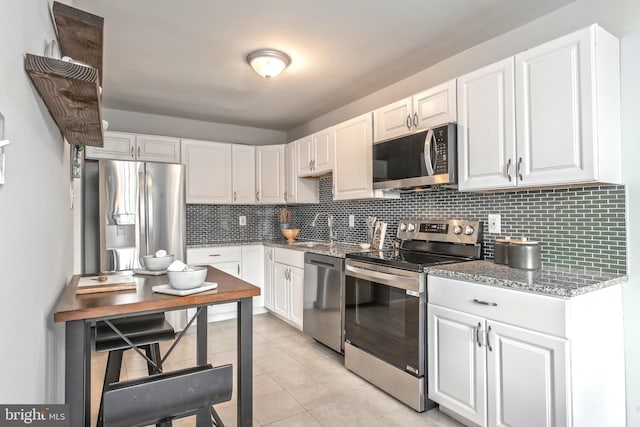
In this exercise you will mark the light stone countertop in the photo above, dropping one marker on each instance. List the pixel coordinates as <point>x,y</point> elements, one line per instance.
<point>339,250</point>
<point>558,282</point>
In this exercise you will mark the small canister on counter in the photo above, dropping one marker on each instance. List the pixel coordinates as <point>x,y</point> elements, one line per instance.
<point>524,254</point>
<point>501,251</point>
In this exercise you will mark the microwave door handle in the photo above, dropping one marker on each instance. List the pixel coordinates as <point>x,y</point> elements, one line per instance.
<point>427,152</point>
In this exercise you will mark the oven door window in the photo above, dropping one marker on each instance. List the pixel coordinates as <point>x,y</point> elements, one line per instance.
<point>386,322</point>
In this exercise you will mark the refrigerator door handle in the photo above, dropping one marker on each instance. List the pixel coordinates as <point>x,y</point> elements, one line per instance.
<point>142,213</point>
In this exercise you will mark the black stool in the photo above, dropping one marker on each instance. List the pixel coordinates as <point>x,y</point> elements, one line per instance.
<point>161,398</point>
<point>145,332</point>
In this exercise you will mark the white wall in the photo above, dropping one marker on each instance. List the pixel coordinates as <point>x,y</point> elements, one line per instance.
<point>630,58</point>
<point>35,219</point>
<point>128,121</point>
<point>616,16</point>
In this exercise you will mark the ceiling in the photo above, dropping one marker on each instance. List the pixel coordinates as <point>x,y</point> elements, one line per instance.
<point>187,58</point>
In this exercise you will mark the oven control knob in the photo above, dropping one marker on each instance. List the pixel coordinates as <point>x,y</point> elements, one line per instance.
<point>411,227</point>
<point>457,229</point>
<point>403,226</point>
<point>468,230</point>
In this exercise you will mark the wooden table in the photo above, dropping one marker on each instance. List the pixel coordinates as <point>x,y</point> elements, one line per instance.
<point>80,312</point>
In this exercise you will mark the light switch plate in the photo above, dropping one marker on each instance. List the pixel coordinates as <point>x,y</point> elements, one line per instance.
<point>352,221</point>
<point>242,220</point>
<point>495,225</point>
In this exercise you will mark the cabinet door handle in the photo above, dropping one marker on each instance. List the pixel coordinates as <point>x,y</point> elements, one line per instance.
<point>271,255</point>
<point>235,196</point>
<point>489,303</point>
<point>310,165</point>
<point>509,170</point>
<point>139,151</point>
<point>519,168</point>
<point>415,120</point>
<point>488,338</point>
<point>478,334</point>
<point>214,254</point>
<point>132,152</point>
<point>238,269</point>
<point>408,122</point>
<point>285,195</point>
<point>313,164</point>
<point>257,196</point>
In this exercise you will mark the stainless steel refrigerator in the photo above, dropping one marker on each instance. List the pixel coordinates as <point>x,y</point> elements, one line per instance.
<point>132,209</point>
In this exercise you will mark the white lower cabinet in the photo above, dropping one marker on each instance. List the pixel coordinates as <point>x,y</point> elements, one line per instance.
<point>456,379</point>
<point>527,377</point>
<point>500,357</point>
<point>284,288</point>
<point>252,271</point>
<point>524,383</point>
<point>269,266</point>
<point>244,262</point>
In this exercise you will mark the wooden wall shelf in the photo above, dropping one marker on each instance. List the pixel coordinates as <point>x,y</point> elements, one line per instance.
<point>79,34</point>
<point>72,92</point>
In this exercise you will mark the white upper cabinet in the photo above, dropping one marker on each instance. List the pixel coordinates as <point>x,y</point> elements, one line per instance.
<point>432,107</point>
<point>353,175</point>
<point>565,116</point>
<point>486,128</point>
<point>435,106</point>
<point>323,151</point>
<point>131,146</point>
<point>117,146</point>
<point>244,174</point>
<point>208,170</point>
<point>153,148</point>
<point>315,153</point>
<point>568,109</point>
<point>304,155</point>
<point>353,166</point>
<point>298,190</point>
<point>270,174</point>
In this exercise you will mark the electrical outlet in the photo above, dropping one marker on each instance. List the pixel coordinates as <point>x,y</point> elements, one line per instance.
<point>352,221</point>
<point>495,225</point>
<point>242,220</point>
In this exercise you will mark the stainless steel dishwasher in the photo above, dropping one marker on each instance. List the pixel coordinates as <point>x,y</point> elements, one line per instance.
<point>323,316</point>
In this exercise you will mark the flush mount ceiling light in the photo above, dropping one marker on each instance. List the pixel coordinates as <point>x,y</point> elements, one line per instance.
<point>268,62</point>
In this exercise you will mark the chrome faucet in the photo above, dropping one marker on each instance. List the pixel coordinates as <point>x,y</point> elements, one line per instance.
<point>330,223</point>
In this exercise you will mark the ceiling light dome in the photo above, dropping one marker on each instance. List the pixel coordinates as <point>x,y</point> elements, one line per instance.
<point>268,62</point>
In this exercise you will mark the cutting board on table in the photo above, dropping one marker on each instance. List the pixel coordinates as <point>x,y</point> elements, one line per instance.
<point>115,282</point>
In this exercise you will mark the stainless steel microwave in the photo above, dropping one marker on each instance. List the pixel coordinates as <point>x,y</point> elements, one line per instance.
<point>420,159</point>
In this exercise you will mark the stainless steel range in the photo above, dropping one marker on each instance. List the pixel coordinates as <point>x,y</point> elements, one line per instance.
<point>386,304</point>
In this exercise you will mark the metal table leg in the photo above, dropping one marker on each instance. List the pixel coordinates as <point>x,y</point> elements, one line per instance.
<point>245,362</point>
<point>204,416</point>
<point>78,381</point>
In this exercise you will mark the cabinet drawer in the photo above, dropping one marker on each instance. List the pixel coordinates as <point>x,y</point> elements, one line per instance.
<point>214,254</point>
<point>290,257</point>
<point>537,312</point>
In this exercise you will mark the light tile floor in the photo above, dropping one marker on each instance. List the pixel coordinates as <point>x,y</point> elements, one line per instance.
<point>297,381</point>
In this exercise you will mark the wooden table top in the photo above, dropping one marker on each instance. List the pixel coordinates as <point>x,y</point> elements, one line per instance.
<point>100,305</point>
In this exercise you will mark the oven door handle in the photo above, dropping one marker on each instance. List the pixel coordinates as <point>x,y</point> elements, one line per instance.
<point>393,280</point>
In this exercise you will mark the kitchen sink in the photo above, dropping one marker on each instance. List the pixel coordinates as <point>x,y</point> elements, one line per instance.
<point>311,244</point>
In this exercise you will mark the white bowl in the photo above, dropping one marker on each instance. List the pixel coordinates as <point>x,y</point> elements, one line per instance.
<point>188,279</point>
<point>365,245</point>
<point>156,263</point>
